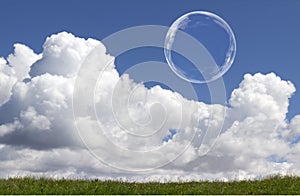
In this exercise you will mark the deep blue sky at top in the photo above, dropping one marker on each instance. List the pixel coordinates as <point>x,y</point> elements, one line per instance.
<point>267,31</point>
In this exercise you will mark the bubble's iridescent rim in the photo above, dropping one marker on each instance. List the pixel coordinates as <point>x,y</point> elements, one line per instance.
<point>230,55</point>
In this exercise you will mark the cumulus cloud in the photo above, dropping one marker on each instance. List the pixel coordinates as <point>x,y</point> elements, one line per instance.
<point>128,128</point>
<point>63,55</point>
<point>21,61</point>
<point>7,80</point>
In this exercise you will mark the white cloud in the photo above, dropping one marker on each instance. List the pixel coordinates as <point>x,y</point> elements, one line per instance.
<point>294,134</point>
<point>37,124</point>
<point>34,120</point>
<point>9,127</point>
<point>7,80</point>
<point>6,84</point>
<point>21,61</point>
<point>267,95</point>
<point>63,54</point>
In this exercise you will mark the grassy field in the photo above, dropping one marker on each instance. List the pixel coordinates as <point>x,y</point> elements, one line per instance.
<point>274,185</point>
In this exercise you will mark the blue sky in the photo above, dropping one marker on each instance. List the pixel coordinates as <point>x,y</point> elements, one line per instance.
<point>267,32</point>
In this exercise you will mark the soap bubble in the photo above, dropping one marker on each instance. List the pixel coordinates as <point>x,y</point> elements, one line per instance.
<point>206,43</point>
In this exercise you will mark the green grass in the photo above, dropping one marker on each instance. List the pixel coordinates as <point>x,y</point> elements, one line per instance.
<point>273,185</point>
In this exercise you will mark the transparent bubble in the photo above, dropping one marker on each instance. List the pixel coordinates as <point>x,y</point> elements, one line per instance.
<point>206,43</point>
